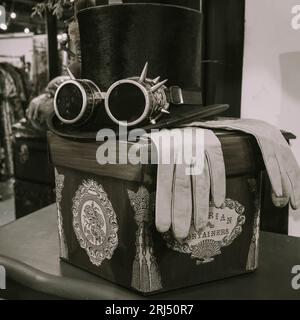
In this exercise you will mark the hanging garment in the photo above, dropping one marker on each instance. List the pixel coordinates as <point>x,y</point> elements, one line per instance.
<point>17,92</point>
<point>13,101</point>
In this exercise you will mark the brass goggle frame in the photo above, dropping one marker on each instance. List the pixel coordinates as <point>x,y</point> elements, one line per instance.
<point>156,95</point>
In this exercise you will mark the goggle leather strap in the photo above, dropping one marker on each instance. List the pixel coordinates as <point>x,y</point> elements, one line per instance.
<point>177,96</point>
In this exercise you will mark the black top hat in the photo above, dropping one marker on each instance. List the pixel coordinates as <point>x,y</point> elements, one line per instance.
<point>192,4</point>
<point>189,114</point>
<point>117,40</point>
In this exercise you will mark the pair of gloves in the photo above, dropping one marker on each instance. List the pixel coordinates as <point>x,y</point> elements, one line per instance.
<point>184,184</point>
<point>40,107</point>
<point>184,199</point>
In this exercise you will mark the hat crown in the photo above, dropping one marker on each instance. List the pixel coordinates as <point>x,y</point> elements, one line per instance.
<point>117,40</point>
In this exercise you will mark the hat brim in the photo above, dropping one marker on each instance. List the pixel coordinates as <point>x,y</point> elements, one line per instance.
<point>179,116</point>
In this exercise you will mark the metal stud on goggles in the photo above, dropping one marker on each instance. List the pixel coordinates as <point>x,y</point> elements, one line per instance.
<point>128,102</point>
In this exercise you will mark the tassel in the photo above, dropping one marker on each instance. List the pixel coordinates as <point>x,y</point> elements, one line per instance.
<point>155,276</point>
<point>145,280</point>
<point>136,267</point>
<point>135,279</point>
<point>251,262</point>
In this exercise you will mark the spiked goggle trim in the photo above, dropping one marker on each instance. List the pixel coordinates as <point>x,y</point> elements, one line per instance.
<point>157,99</point>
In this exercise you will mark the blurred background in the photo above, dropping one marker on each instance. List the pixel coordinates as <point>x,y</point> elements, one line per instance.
<point>251,60</point>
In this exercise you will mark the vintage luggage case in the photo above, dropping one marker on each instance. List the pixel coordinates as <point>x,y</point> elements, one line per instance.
<point>31,196</point>
<point>34,176</point>
<point>106,213</point>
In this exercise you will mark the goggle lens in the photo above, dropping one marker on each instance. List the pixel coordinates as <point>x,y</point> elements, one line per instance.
<point>69,101</point>
<point>126,102</point>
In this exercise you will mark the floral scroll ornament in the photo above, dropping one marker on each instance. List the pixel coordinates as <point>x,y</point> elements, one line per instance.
<point>223,227</point>
<point>145,271</point>
<point>95,222</point>
<point>59,185</point>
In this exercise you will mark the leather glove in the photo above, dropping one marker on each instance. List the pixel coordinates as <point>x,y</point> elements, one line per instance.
<point>54,84</point>
<point>38,111</point>
<point>183,189</point>
<point>32,112</point>
<point>42,106</point>
<point>281,165</point>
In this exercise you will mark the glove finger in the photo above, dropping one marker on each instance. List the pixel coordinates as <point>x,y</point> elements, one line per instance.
<point>166,151</point>
<point>261,132</point>
<point>291,172</point>
<point>201,193</point>
<point>281,202</point>
<point>272,167</point>
<point>216,167</point>
<point>181,203</point>
<point>294,197</point>
<point>165,174</point>
<point>36,112</point>
<point>30,110</point>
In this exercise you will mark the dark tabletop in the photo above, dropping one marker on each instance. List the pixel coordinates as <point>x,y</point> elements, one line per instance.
<point>29,252</point>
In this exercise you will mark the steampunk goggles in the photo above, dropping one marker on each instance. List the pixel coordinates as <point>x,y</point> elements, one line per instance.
<point>128,102</point>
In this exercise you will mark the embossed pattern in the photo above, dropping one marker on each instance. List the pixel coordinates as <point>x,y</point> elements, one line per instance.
<point>59,185</point>
<point>145,271</point>
<point>95,222</point>
<point>223,227</point>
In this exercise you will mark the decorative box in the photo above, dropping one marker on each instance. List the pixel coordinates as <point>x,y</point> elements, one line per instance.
<point>34,177</point>
<point>106,214</point>
<point>30,197</point>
